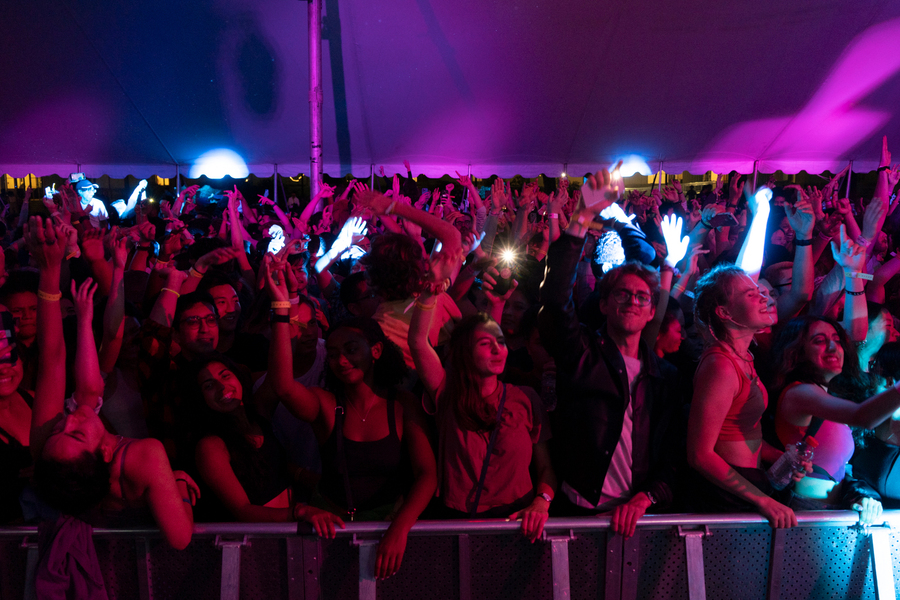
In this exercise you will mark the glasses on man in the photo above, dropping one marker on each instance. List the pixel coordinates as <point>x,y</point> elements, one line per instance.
<point>624,297</point>
<point>194,322</point>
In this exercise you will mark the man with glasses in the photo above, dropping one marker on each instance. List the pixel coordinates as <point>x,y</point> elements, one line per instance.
<point>613,445</point>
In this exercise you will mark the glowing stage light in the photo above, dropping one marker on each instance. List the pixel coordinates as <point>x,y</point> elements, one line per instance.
<point>633,164</point>
<point>218,163</point>
<point>508,256</point>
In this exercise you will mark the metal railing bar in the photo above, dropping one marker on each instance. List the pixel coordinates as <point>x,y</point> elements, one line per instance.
<point>459,527</point>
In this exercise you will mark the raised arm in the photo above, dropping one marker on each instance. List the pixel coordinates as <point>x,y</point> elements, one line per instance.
<point>88,380</point>
<point>751,255</point>
<point>802,219</point>
<point>443,231</point>
<point>852,259</point>
<point>805,400</point>
<point>114,315</point>
<point>47,247</point>
<point>428,365</point>
<point>301,401</point>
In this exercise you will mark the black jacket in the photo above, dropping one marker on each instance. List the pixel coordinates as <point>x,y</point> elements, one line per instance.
<point>592,393</point>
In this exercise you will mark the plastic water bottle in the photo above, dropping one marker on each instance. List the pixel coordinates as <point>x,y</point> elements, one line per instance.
<point>781,473</point>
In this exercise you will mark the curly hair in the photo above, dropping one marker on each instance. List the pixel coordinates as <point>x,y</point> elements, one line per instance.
<point>73,487</point>
<point>394,266</point>
<point>712,291</point>
<point>638,269</point>
<point>793,366</point>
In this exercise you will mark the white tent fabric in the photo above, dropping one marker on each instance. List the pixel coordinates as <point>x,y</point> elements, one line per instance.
<point>498,87</point>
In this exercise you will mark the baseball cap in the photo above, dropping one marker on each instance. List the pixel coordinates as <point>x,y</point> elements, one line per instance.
<point>85,184</point>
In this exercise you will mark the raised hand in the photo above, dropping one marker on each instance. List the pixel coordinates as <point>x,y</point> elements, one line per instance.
<point>83,297</point>
<point>219,256</point>
<point>263,200</point>
<point>802,218</point>
<point>676,246</point>
<point>92,247</point>
<point>601,190</point>
<point>44,242</point>
<point>850,255</point>
<point>119,252</point>
<point>885,154</point>
<point>873,218</point>
<point>614,211</point>
<point>735,188</point>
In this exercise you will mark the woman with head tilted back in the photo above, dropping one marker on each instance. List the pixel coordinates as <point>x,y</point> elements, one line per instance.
<point>371,434</point>
<point>80,466</point>
<point>725,442</point>
<point>473,406</point>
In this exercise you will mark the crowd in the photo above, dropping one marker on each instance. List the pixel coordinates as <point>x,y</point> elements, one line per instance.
<point>397,355</point>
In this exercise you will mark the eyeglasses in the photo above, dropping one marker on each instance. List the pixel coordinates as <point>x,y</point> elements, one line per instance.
<point>624,297</point>
<point>194,322</point>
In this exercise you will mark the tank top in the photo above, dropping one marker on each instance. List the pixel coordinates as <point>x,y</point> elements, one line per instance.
<point>743,419</point>
<point>101,516</point>
<point>835,447</point>
<point>376,469</point>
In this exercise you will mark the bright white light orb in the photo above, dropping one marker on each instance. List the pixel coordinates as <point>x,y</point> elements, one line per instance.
<point>219,163</point>
<point>508,256</point>
<point>633,164</point>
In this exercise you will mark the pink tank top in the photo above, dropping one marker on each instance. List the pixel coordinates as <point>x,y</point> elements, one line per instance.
<point>743,419</point>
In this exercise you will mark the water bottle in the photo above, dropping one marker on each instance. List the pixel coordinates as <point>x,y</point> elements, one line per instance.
<point>781,473</point>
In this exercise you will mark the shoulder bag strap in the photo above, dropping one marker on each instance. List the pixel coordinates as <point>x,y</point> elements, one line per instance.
<point>487,456</point>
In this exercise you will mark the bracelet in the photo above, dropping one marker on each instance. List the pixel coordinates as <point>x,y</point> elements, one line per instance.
<point>49,297</point>
<point>799,242</point>
<point>280,304</point>
<point>859,293</point>
<point>858,275</point>
<point>824,236</point>
<point>862,241</point>
<point>195,273</point>
<point>161,263</point>
<point>188,501</point>
<point>177,295</point>
<point>887,168</point>
<point>295,300</point>
<point>421,306</point>
<point>553,216</point>
<point>281,318</point>
<point>705,224</point>
<point>73,254</point>
<point>390,208</point>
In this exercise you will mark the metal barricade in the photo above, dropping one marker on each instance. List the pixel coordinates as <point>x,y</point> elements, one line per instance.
<point>673,557</point>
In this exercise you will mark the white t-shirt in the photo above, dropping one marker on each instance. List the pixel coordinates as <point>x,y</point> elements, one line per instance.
<point>617,486</point>
<point>96,212</point>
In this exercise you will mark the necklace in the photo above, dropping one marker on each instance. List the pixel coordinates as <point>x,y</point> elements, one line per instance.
<point>360,415</point>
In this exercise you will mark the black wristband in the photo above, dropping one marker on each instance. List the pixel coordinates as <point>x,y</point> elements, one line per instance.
<point>887,168</point>
<point>705,224</point>
<point>281,318</point>
<point>859,293</point>
<point>799,242</point>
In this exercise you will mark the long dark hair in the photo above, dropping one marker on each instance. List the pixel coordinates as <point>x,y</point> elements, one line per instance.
<point>389,368</point>
<point>462,389</point>
<point>793,366</point>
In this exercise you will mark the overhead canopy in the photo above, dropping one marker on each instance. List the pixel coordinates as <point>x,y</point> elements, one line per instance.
<point>510,87</point>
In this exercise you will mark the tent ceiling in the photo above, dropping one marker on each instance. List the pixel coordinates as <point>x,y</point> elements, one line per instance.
<point>504,86</point>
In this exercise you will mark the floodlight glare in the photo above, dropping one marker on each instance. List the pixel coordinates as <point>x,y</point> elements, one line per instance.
<point>219,163</point>
<point>633,164</point>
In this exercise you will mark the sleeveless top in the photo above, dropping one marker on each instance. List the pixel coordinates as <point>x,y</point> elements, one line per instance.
<point>264,476</point>
<point>14,457</point>
<point>119,517</point>
<point>376,469</point>
<point>835,440</point>
<point>743,419</point>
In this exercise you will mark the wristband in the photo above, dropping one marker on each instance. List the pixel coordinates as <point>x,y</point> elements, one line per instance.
<point>295,300</point>
<point>73,254</point>
<point>887,168</point>
<point>546,497</point>
<point>859,293</point>
<point>862,241</point>
<point>858,275</point>
<point>824,236</point>
<point>195,273</point>
<point>705,224</point>
<point>799,242</point>
<point>161,263</point>
<point>177,295</point>
<point>553,215</point>
<point>49,297</point>
<point>186,500</point>
<point>281,318</point>
<point>421,306</point>
<point>280,304</point>
<point>390,208</point>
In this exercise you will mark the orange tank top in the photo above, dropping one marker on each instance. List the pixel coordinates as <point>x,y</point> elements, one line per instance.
<point>743,419</point>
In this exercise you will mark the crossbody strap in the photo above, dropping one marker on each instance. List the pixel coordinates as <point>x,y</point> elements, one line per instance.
<point>487,456</point>
<point>342,457</point>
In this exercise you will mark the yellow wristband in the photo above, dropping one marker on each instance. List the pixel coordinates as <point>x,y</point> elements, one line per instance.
<point>177,295</point>
<point>49,297</point>
<point>195,273</point>
<point>421,306</point>
<point>281,304</point>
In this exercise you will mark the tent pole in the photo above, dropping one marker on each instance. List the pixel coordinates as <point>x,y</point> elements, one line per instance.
<point>849,175</point>
<point>177,180</point>
<point>755,169</point>
<point>372,177</point>
<point>659,179</point>
<point>275,185</point>
<point>315,96</point>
